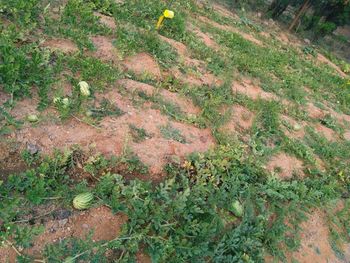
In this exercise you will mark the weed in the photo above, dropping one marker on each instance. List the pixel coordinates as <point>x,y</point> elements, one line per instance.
<point>309,50</point>
<point>99,75</point>
<point>7,121</point>
<point>138,134</point>
<point>299,149</point>
<point>30,158</point>
<point>77,23</point>
<point>106,108</point>
<point>23,67</point>
<point>171,133</point>
<point>330,122</point>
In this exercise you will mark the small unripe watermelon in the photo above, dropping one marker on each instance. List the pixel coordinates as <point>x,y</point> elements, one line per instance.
<point>83,201</point>
<point>84,88</point>
<point>32,118</point>
<point>237,208</point>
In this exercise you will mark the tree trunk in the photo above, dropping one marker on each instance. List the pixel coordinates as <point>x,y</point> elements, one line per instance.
<point>302,10</point>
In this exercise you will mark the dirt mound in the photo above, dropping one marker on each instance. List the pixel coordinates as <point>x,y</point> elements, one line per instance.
<point>113,134</point>
<point>328,133</point>
<point>105,226</point>
<point>105,49</point>
<point>241,119</point>
<point>207,39</point>
<point>315,246</point>
<point>10,159</point>
<point>248,88</point>
<point>314,112</point>
<point>289,39</point>
<point>143,64</point>
<point>63,45</point>
<point>321,58</point>
<point>199,78</point>
<point>106,20</point>
<point>133,86</point>
<point>224,11</point>
<point>285,166</point>
<point>294,128</point>
<point>178,46</point>
<point>183,103</point>
<point>347,135</point>
<point>246,36</point>
<point>143,258</point>
<point>340,117</point>
<point>4,97</point>
<point>24,108</point>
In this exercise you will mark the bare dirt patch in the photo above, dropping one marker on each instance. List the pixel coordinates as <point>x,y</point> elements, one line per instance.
<point>4,97</point>
<point>196,78</point>
<point>347,135</point>
<point>248,88</point>
<point>135,86</point>
<point>314,112</point>
<point>24,108</point>
<point>321,58</point>
<point>113,135</point>
<point>63,45</point>
<point>10,159</point>
<point>296,129</point>
<point>285,166</point>
<point>105,226</point>
<point>283,38</point>
<point>201,77</point>
<point>106,20</point>
<point>206,38</point>
<point>246,36</point>
<point>180,48</point>
<point>328,133</point>
<point>242,119</point>
<point>143,258</point>
<point>340,117</point>
<point>265,34</point>
<point>105,49</point>
<point>183,103</point>
<point>315,246</point>
<point>224,11</point>
<point>143,64</point>
<point>288,39</point>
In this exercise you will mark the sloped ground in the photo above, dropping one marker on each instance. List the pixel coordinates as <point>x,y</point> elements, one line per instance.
<point>159,97</point>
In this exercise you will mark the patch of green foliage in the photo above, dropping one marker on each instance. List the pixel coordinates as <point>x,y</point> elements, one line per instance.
<point>185,218</point>
<point>78,23</point>
<point>131,40</point>
<point>7,122</point>
<point>25,67</point>
<point>99,75</point>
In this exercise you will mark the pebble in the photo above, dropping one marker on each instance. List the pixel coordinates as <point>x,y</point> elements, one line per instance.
<point>33,148</point>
